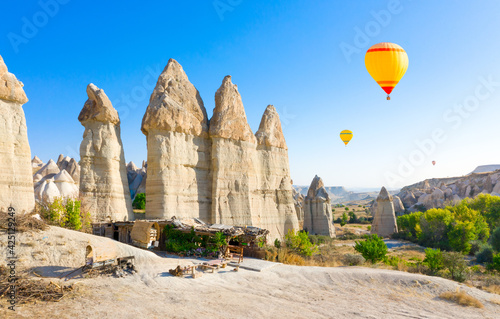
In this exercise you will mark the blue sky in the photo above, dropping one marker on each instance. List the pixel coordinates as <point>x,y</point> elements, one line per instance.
<point>304,57</point>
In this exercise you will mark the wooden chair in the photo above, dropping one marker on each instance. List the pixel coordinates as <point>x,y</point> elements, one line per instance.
<point>234,253</point>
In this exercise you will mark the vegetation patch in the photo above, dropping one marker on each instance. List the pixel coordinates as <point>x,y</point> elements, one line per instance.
<point>461,298</point>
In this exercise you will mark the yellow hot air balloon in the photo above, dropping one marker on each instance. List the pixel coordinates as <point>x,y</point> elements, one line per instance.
<point>345,136</point>
<point>387,63</point>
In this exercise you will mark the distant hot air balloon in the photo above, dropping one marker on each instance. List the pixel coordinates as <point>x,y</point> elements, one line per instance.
<point>345,136</point>
<point>387,63</point>
<point>433,162</point>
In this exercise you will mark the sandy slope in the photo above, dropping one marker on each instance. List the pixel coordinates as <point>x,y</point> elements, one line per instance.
<point>279,292</point>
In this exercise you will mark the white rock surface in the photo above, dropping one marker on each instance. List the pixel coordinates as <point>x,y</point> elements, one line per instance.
<point>175,125</point>
<point>103,178</point>
<point>318,219</point>
<point>384,222</point>
<point>16,185</point>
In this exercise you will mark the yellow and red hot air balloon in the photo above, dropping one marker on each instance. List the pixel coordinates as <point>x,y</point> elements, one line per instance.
<point>387,63</point>
<point>345,136</point>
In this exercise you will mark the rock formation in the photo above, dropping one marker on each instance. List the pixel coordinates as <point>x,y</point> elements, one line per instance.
<point>298,202</point>
<point>384,221</point>
<point>36,164</point>
<point>16,186</point>
<point>234,159</point>
<point>399,208</point>
<point>176,129</point>
<point>318,218</point>
<point>103,178</point>
<point>274,190</point>
<point>218,172</point>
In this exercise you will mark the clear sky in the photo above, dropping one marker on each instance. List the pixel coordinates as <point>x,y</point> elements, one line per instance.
<point>305,57</point>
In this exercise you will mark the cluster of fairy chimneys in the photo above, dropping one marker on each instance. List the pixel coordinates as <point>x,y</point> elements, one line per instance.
<point>216,170</point>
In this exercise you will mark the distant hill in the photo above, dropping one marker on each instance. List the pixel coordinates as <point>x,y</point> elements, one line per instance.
<point>485,168</point>
<point>340,195</point>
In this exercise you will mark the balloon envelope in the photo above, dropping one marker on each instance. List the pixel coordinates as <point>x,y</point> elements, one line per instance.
<point>387,63</point>
<point>345,136</point>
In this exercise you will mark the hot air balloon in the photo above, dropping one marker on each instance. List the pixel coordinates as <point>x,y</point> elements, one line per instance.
<point>345,136</point>
<point>387,63</point>
<point>433,162</point>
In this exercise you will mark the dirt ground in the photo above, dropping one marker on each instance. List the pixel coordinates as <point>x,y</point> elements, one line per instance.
<point>282,291</point>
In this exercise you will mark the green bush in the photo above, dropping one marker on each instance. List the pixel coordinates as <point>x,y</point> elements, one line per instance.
<point>434,259</point>
<point>344,220</point>
<point>277,243</point>
<point>495,239</point>
<point>456,265</point>
<point>300,243</point>
<point>353,260</point>
<point>475,247</point>
<point>485,254</point>
<point>319,239</point>
<point>139,201</point>
<point>72,218</point>
<point>373,248</point>
<point>495,263</point>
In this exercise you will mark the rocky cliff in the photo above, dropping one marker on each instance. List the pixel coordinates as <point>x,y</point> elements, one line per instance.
<point>104,188</point>
<point>439,192</point>
<point>16,186</point>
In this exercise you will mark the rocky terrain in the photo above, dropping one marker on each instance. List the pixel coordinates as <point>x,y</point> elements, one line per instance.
<point>439,192</point>
<point>281,291</point>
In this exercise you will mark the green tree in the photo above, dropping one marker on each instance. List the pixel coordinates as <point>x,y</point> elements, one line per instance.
<point>344,220</point>
<point>299,241</point>
<point>434,259</point>
<point>495,239</point>
<point>73,219</point>
<point>456,265</point>
<point>373,248</point>
<point>139,201</point>
<point>435,224</point>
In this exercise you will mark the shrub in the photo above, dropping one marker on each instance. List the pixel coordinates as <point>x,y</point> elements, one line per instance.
<point>434,259</point>
<point>461,298</point>
<point>476,245</point>
<point>353,260</point>
<point>72,219</point>
<point>344,220</point>
<point>347,208</point>
<point>485,254</point>
<point>456,265</point>
<point>299,242</point>
<point>495,263</point>
<point>495,239</point>
<point>139,201</point>
<point>396,262</point>
<point>319,239</point>
<point>277,243</point>
<point>373,248</point>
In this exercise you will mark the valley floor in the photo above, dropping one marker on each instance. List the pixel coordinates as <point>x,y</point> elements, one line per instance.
<point>282,291</point>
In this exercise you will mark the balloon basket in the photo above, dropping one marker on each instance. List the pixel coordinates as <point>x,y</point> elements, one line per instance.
<point>388,98</point>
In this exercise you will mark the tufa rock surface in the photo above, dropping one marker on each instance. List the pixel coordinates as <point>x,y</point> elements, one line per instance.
<point>178,165</point>
<point>104,189</point>
<point>16,185</point>
<point>318,218</point>
<point>384,221</point>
